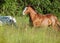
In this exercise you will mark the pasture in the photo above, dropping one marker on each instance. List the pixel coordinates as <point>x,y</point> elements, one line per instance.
<point>27,34</point>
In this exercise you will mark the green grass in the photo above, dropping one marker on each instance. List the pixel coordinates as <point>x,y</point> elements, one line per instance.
<point>26,34</point>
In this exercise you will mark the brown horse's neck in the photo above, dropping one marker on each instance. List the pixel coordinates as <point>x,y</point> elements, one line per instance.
<point>32,14</point>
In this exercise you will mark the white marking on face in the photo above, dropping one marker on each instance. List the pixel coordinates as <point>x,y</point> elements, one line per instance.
<point>24,10</point>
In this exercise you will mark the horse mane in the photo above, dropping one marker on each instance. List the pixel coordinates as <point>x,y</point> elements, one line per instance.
<point>32,8</point>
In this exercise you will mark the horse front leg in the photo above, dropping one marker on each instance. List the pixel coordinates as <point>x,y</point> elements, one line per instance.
<point>36,24</point>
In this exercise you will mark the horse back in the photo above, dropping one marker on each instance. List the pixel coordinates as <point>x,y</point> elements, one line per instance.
<point>48,15</point>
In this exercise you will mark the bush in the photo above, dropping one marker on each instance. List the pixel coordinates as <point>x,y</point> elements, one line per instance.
<point>15,7</point>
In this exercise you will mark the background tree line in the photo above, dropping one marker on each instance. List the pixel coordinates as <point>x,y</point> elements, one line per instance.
<point>15,7</point>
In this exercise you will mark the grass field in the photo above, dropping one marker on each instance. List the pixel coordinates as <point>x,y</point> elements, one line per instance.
<point>26,34</point>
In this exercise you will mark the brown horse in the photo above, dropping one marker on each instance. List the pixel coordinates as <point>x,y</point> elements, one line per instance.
<point>39,19</point>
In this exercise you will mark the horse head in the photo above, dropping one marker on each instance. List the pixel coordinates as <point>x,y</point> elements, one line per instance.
<point>26,10</point>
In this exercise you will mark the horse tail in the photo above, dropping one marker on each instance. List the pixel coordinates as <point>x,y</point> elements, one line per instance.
<point>58,23</point>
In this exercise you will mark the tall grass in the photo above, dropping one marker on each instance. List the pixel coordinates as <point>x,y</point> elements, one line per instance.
<point>25,34</point>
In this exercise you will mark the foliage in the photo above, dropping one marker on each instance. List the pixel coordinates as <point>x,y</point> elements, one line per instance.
<point>15,7</point>
<point>25,34</point>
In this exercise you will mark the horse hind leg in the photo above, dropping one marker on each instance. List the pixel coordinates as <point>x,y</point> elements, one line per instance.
<point>54,26</point>
<point>58,24</point>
